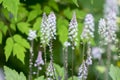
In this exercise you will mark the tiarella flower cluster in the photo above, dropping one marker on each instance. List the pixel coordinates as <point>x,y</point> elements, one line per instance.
<point>44,30</point>
<point>111,6</point>
<point>88,30</point>
<point>73,31</point>
<point>48,28</point>
<point>39,61</point>
<point>50,71</point>
<point>108,25</point>
<point>52,25</point>
<point>83,69</point>
<point>107,30</point>
<point>32,35</point>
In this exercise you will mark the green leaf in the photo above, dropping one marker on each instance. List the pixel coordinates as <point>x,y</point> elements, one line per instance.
<point>59,71</point>
<point>13,75</point>
<point>22,13</point>
<point>12,6</point>
<point>8,47</point>
<point>101,69</point>
<point>47,9</point>
<point>53,5</point>
<point>23,42</point>
<point>33,14</point>
<point>37,23</point>
<point>36,7</point>
<point>66,11</point>
<point>3,28</point>
<point>0,37</point>
<point>62,28</point>
<point>1,1</point>
<point>40,78</point>
<point>23,27</point>
<point>76,3</point>
<point>19,51</point>
<point>114,72</point>
<point>13,27</point>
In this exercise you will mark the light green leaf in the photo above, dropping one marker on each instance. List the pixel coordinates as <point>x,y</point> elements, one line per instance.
<point>3,28</point>
<point>47,9</point>
<point>22,13</point>
<point>1,1</point>
<point>19,51</point>
<point>13,75</point>
<point>13,27</point>
<point>12,6</point>
<point>76,3</point>
<point>40,78</point>
<point>66,11</point>
<point>62,30</point>
<point>0,37</point>
<point>53,5</point>
<point>33,14</point>
<point>114,72</point>
<point>23,27</point>
<point>23,42</point>
<point>8,47</point>
<point>36,7</point>
<point>59,71</point>
<point>101,69</point>
<point>37,23</point>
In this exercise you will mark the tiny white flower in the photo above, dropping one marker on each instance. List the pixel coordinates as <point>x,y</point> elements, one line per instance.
<point>32,35</point>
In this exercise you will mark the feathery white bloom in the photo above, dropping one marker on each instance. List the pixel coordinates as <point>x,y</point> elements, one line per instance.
<point>50,71</point>
<point>73,30</point>
<point>45,31</point>
<point>32,35</point>
<point>52,25</point>
<point>111,6</point>
<point>88,30</point>
<point>83,71</point>
<point>108,26</point>
<point>107,29</point>
<point>89,60</point>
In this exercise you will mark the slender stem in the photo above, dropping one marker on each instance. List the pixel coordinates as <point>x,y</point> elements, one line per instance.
<point>72,64</point>
<point>83,51</point>
<point>72,60</point>
<point>30,61</point>
<point>38,72</point>
<point>108,61</point>
<point>45,58</point>
<point>51,56</point>
<point>45,55</point>
<point>65,55</point>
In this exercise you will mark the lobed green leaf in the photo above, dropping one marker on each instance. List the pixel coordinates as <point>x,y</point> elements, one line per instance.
<point>8,47</point>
